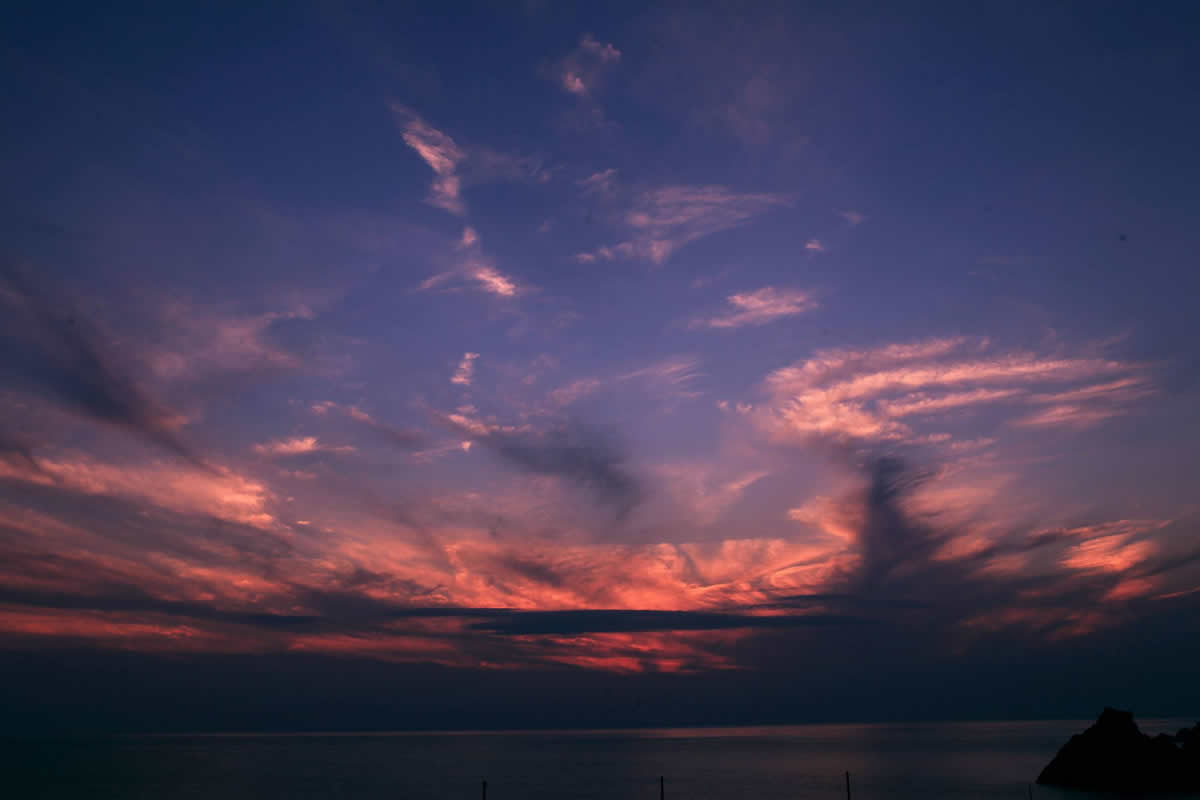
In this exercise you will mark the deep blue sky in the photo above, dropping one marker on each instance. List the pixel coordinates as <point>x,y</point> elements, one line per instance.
<point>456,343</point>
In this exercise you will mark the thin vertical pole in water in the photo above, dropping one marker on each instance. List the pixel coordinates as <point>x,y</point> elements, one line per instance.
<point>847,784</point>
<point>662,788</point>
<point>1031,791</point>
<point>485,790</point>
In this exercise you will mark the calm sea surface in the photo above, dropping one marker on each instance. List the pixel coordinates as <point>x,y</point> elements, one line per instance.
<point>927,760</point>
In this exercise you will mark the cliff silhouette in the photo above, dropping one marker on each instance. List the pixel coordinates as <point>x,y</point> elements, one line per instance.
<point>1113,755</point>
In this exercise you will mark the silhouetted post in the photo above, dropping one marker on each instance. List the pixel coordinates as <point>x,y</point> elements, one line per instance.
<point>485,790</point>
<point>1031,791</point>
<point>662,788</point>
<point>847,784</point>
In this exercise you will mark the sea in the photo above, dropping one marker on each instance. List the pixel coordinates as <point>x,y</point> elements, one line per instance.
<point>804,762</point>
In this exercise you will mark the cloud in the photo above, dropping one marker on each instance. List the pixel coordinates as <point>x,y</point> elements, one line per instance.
<point>299,445</point>
<point>53,349</point>
<point>576,389</point>
<point>480,275</point>
<point>404,438</point>
<point>705,491</point>
<point>218,493</point>
<point>599,183</point>
<point>440,152</point>
<point>871,395</point>
<point>196,344</point>
<point>749,111</point>
<point>919,403</point>
<point>574,622</point>
<point>1067,416</point>
<point>672,376</point>
<point>529,600</point>
<point>920,578</point>
<point>760,307</point>
<point>853,217</point>
<point>18,448</point>
<point>288,447</point>
<point>466,370</point>
<point>493,281</point>
<point>814,246</point>
<point>663,220</point>
<point>485,165</point>
<point>475,270</point>
<point>456,166</point>
<point>445,157</point>
<point>576,454</point>
<point>581,72</point>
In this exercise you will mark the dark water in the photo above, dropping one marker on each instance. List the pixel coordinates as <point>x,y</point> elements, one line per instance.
<point>928,760</point>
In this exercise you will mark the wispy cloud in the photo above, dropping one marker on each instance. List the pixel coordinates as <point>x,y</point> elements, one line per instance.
<point>486,165</point>
<point>185,489</point>
<point>853,217</point>
<point>705,491</point>
<point>466,370</point>
<point>868,394</point>
<point>440,152</point>
<point>197,343</point>
<point>299,445</point>
<point>445,157</point>
<point>577,454</point>
<point>759,307</point>
<point>475,269</point>
<point>599,183</point>
<point>582,70</point>
<point>493,280</point>
<point>663,220</point>
<point>673,376</point>
<point>404,438</point>
<point>55,350</point>
<point>814,246</point>
<point>920,403</point>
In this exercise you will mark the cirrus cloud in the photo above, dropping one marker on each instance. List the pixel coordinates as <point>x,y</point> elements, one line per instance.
<point>663,220</point>
<point>759,307</point>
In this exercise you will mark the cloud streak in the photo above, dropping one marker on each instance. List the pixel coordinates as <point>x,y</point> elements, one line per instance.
<point>582,71</point>
<point>663,220</point>
<point>442,155</point>
<point>577,454</point>
<point>465,372</point>
<point>475,270</point>
<point>880,394</point>
<point>759,307</point>
<point>54,350</point>
<point>299,445</point>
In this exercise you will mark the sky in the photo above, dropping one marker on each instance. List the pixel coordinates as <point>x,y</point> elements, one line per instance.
<point>545,364</point>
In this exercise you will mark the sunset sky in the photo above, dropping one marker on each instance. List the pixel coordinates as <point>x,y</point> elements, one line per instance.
<point>372,365</point>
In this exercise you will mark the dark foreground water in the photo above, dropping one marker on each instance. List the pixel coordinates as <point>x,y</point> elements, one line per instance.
<point>928,760</point>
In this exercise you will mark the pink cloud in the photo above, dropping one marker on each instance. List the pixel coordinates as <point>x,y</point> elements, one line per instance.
<point>582,70</point>
<point>465,372</point>
<point>186,489</point>
<point>298,445</point>
<point>493,281</point>
<point>440,152</point>
<point>866,394</point>
<point>760,307</point>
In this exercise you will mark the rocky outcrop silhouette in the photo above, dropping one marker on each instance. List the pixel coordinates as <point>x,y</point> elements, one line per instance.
<point>1113,755</point>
